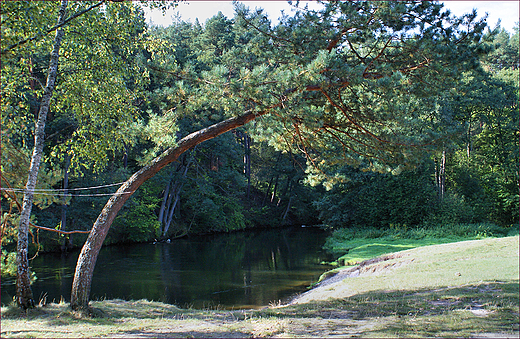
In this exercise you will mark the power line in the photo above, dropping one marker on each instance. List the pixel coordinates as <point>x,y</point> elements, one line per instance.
<point>62,189</point>
<point>56,192</point>
<point>66,194</point>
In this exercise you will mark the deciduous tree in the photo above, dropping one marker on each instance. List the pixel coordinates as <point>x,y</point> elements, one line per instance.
<point>24,296</point>
<point>98,48</point>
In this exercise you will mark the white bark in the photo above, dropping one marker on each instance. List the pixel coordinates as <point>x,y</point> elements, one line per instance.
<point>24,295</point>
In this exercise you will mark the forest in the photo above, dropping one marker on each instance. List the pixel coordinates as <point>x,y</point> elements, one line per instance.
<point>360,115</point>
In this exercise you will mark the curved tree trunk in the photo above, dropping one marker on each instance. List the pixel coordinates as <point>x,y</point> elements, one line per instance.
<point>88,256</point>
<point>24,296</point>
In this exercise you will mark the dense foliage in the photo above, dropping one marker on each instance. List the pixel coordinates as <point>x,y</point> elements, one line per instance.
<point>354,115</point>
<point>472,178</point>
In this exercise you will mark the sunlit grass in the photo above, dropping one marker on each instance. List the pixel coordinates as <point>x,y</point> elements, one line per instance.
<point>451,290</point>
<point>355,245</point>
<point>452,264</point>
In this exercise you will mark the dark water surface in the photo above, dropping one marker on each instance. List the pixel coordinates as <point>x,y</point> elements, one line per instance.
<point>237,270</point>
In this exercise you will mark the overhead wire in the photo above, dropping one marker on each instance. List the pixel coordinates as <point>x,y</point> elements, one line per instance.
<point>56,192</point>
<point>67,189</point>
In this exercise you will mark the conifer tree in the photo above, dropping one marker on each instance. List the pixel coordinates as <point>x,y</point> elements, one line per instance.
<point>355,82</point>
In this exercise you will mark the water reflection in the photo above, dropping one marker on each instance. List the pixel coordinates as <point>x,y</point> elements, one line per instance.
<point>240,270</point>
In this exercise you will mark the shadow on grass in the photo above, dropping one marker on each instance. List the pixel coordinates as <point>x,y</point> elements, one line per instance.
<point>490,307</point>
<point>450,324</point>
<point>447,311</point>
<point>419,302</point>
<point>188,334</point>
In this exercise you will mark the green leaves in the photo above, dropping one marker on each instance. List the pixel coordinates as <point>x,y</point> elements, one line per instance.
<point>161,130</point>
<point>373,85</point>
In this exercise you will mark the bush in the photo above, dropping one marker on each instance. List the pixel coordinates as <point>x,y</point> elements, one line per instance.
<point>137,221</point>
<point>452,209</point>
<point>379,200</point>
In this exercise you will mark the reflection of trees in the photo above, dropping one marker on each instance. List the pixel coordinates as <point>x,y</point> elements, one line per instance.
<point>225,269</point>
<point>170,273</point>
<point>128,272</point>
<point>231,267</point>
<point>248,277</point>
<point>54,272</point>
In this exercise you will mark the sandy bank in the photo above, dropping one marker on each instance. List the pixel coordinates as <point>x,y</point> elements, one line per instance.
<point>444,265</point>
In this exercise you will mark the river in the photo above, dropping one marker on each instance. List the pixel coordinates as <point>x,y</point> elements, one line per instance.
<point>247,269</point>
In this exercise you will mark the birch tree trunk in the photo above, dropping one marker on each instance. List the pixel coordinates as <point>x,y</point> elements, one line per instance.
<point>442,175</point>
<point>88,256</point>
<point>63,227</point>
<point>24,296</point>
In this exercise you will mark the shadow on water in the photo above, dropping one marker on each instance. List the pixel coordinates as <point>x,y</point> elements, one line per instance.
<point>237,270</point>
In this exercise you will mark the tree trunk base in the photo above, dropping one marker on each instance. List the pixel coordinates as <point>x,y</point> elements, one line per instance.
<point>88,312</point>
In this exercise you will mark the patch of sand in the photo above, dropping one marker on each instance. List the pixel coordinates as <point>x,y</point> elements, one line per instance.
<point>335,287</point>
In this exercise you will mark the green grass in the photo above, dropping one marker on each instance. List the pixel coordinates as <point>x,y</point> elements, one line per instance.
<point>451,290</point>
<point>358,245</point>
<point>437,266</point>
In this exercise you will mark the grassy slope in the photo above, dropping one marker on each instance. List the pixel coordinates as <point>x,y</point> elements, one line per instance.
<point>459,289</point>
<point>444,265</point>
<point>358,245</point>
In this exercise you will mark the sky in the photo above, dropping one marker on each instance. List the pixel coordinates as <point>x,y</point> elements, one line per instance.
<point>507,11</point>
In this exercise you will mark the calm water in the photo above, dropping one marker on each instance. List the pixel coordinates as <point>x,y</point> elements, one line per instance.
<point>239,270</point>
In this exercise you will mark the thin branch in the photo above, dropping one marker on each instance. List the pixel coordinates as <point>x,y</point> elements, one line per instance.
<point>344,145</point>
<point>377,57</point>
<point>361,128</point>
<point>57,231</point>
<point>41,34</point>
<point>15,200</point>
<point>355,52</point>
<point>326,128</point>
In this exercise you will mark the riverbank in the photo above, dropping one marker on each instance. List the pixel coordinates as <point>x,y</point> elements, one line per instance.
<point>242,270</point>
<point>465,289</point>
<point>428,267</point>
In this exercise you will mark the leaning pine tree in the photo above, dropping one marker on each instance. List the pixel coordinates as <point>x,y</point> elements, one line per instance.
<point>356,82</point>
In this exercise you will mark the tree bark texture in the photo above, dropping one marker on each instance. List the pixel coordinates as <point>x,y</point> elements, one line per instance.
<point>24,297</point>
<point>245,139</point>
<point>66,241</point>
<point>88,256</point>
<point>174,195</point>
<point>287,209</point>
<point>275,188</point>
<point>166,196</point>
